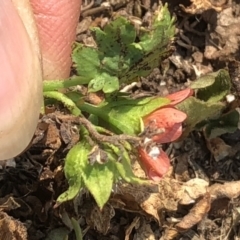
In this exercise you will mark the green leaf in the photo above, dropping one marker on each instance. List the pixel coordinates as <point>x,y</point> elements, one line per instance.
<point>125,116</point>
<point>72,169</point>
<point>227,123</point>
<point>204,81</point>
<point>103,82</point>
<point>124,166</point>
<point>120,57</point>
<point>87,61</point>
<point>154,44</point>
<point>118,30</point>
<point>198,111</point>
<point>213,87</point>
<point>98,178</point>
<point>162,33</point>
<point>99,181</point>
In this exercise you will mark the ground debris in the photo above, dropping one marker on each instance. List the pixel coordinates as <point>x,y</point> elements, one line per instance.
<point>222,39</point>
<point>196,214</point>
<point>100,219</point>
<point>199,6</point>
<point>11,229</point>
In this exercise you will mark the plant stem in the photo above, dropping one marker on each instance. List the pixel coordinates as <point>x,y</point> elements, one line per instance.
<point>86,107</point>
<point>68,103</point>
<point>54,85</point>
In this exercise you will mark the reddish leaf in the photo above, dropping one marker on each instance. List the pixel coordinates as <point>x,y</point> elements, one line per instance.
<point>178,97</point>
<point>156,163</point>
<point>169,120</point>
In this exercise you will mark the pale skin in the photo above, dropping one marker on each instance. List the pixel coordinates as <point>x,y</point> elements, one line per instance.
<point>35,44</point>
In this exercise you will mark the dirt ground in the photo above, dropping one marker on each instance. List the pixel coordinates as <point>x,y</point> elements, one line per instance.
<point>179,207</point>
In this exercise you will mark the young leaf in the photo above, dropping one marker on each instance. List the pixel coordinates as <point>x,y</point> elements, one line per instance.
<point>72,170</point>
<point>87,61</point>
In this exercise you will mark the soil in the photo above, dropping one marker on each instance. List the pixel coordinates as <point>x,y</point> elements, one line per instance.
<point>200,196</point>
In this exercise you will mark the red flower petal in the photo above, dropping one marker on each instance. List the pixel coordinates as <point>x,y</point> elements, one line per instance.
<point>170,134</point>
<point>169,120</point>
<point>155,164</point>
<point>178,97</point>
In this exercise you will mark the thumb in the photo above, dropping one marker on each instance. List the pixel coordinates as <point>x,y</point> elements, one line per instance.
<point>21,77</point>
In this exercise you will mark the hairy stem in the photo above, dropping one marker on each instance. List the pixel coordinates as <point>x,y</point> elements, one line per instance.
<point>54,85</point>
<point>68,103</point>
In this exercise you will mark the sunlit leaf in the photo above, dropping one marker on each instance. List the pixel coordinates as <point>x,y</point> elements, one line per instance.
<point>213,87</point>
<point>125,118</point>
<point>119,57</point>
<point>98,179</point>
<point>124,166</point>
<point>72,169</point>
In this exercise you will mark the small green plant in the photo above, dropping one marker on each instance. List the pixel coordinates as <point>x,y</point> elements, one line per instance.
<point>119,58</point>
<point>102,157</point>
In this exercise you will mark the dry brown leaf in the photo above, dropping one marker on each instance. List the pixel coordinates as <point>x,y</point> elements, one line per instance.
<point>11,229</point>
<point>153,205</point>
<point>152,198</point>
<point>199,6</point>
<point>218,148</point>
<point>181,169</point>
<point>223,36</point>
<point>169,234</point>
<point>139,198</point>
<point>229,190</point>
<point>53,137</point>
<point>196,214</point>
<point>100,219</point>
<point>134,224</point>
<point>125,202</point>
<point>201,208</point>
<point>8,203</point>
<point>144,231</point>
<point>83,25</point>
<point>192,190</point>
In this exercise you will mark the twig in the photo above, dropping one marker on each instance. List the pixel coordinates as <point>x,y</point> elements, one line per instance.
<point>95,10</point>
<point>114,139</point>
<point>87,6</point>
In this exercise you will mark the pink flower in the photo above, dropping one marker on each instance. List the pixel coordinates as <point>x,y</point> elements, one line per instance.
<point>155,164</point>
<point>178,97</point>
<point>168,122</point>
